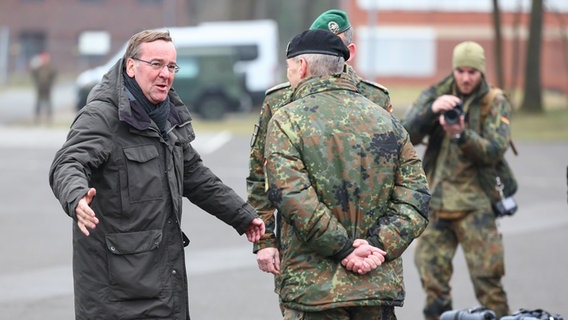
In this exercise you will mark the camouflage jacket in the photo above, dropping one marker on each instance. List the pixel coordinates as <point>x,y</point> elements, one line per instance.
<point>341,168</point>
<point>276,98</point>
<point>452,167</point>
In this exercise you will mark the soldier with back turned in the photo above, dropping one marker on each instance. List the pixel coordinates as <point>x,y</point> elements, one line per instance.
<point>349,188</point>
<point>337,22</point>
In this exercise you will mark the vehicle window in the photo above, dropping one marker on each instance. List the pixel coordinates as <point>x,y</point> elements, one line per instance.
<point>188,67</point>
<point>247,52</point>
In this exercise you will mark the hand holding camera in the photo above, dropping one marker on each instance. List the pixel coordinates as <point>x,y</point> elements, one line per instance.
<point>451,113</point>
<point>452,116</point>
<point>444,103</point>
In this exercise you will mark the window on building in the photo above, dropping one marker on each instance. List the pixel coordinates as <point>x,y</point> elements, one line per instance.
<point>32,42</point>
<point>410,52</point>
<point>94,42</point>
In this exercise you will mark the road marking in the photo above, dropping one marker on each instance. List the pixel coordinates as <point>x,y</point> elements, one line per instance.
<point>209,143</point>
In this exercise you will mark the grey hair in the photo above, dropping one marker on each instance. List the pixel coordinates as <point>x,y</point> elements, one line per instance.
<point>347,36</point>
<point>133,49</point>
<point>322,65</point>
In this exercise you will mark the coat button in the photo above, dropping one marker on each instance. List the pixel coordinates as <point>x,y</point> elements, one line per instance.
<point>113,249</point>
<point>174,271</point>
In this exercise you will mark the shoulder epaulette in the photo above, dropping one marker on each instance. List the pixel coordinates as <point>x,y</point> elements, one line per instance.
<point>277,88</point>
<point>376,85</point>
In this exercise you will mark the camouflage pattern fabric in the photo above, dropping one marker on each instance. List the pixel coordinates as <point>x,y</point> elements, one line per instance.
<point>340,168</point>
<point>276,98</point>
<point>352,313</point>
<point>483,250</point>
<point>370,90</point>
<point>453,170</point>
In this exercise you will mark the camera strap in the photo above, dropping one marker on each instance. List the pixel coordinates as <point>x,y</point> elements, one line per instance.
<point>499,187</point>
<point>499,181</point>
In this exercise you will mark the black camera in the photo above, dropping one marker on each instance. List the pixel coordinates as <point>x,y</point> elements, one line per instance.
<point>479,313</point>
<point>536,314</point>
<point>505,207</point>
<point>452,116</point>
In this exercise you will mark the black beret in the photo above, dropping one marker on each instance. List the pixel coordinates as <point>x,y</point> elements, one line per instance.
<point>317,42</point>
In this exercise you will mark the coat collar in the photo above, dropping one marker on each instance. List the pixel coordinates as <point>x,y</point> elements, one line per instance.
<point>317,84</point>
<point>112,90</point>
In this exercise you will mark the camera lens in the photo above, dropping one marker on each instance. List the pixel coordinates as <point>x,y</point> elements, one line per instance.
<point>452,116</point>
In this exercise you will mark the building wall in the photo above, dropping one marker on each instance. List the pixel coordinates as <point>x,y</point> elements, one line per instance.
<point>62,22</point>
<point>451,27</point>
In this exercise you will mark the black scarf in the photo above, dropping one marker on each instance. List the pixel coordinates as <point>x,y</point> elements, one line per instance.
<point>157,112</point>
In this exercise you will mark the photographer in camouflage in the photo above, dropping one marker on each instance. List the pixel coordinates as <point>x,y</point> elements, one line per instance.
<point>266,249</point>
<point>349,188</point>
<point>460,210</point>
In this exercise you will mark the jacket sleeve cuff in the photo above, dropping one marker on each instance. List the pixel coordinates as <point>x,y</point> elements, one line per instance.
<point>248,214</point>
<point>345,251</point>
<point>266,241</point>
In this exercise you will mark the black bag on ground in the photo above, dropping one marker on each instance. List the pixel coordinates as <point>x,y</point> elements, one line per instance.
<point>478,313</point>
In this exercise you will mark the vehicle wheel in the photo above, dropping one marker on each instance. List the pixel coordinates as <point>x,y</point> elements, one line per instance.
<point>212,107</point>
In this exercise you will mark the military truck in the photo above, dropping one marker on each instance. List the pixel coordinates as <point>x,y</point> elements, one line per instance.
<point>208,84</point>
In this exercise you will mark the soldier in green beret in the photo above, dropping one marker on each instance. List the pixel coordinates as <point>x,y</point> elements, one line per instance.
<point>335,21</point>
<point>349,188</point>
<point>458,149</point>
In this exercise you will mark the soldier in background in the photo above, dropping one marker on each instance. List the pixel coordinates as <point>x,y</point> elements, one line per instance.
<point>349,188</point>
<point>461,212</point>
<point>43,76</point>
<point>337,22</point>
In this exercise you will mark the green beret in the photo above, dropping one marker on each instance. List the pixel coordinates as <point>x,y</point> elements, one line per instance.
<point>332,20</point>
<point>317,42</point>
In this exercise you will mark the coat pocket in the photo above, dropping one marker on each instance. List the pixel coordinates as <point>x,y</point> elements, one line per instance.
<point>135,266</point>
<point>144,172</point>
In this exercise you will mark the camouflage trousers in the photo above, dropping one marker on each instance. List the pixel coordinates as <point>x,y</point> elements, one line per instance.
<point>482,245</point>
<point>350,313</point>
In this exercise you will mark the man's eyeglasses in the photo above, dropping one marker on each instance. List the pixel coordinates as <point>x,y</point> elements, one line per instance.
<point>159,65</point>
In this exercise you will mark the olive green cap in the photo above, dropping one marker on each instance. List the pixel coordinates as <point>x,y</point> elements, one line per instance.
<point>469,54</point>
<point>332,20</point>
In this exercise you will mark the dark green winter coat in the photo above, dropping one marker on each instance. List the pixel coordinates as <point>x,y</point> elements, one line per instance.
<point>132,265</point>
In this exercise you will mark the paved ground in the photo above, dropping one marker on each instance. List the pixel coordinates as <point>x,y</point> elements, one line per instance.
<point>35,237</point>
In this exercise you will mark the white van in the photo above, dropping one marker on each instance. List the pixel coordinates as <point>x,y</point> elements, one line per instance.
<point>224,66</point>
